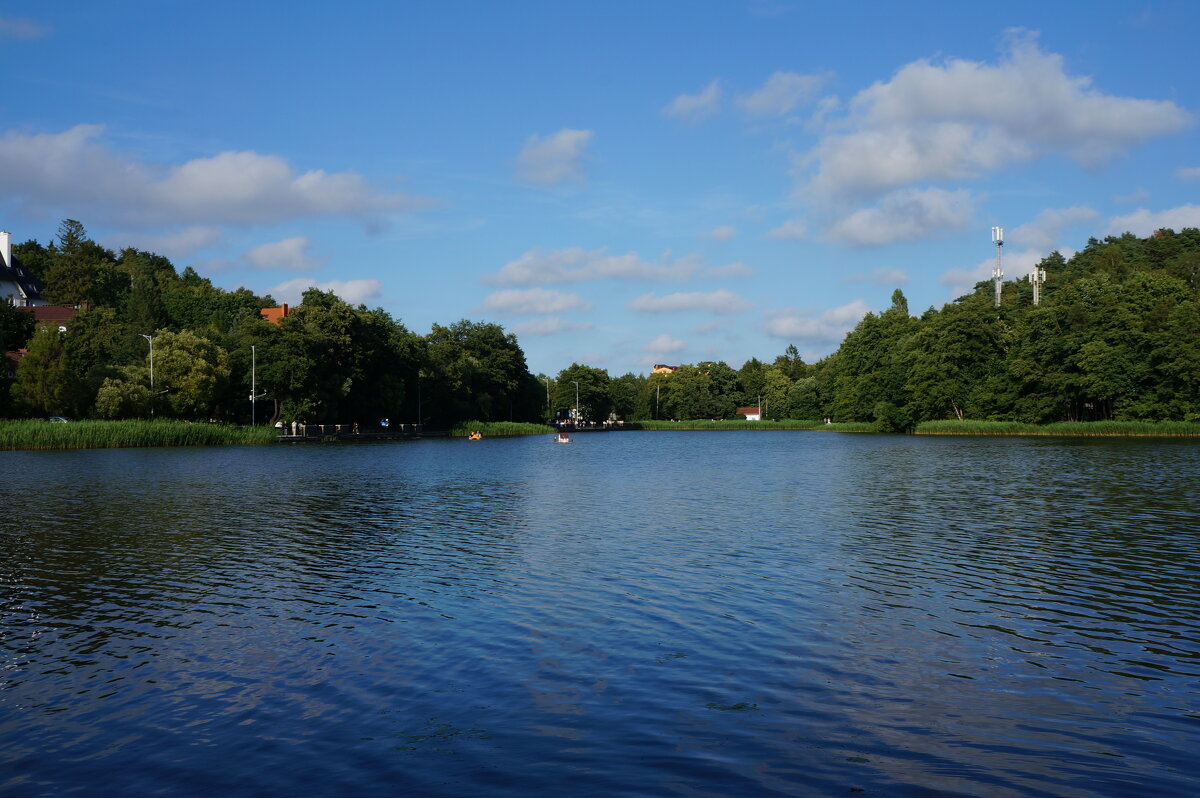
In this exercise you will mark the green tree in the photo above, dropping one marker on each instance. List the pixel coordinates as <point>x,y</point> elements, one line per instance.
<point>595,398</point>
<point>42,380</point>
<point>190,369</point>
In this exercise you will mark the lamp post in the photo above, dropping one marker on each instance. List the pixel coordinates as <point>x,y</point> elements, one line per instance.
<point>577,413</point>
<point>150,340</point>
<point>253,387</point>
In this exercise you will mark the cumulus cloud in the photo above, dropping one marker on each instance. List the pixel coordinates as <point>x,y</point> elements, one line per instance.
<point>1189,173</point>
<point>694,107</point>
<point>291,254</point>
<point>962,119</point>
<point>664,345</point>
<point>176,244</point>
<point>906,215</point>
<point>720,302</point>
<point>881,276</point>
<point>1044,233</point>
<point>791,230</point>
<point>554,159</point>
<point>574,265</point>
<point>782,94</point>
<point>74,170</point>
<point>1143,222</point>
<point>551,326</point>
<point>19,28</point>
<point>722,233</point>
<point>515,302</point>
<point>355,292</point>
<point>813,329</point>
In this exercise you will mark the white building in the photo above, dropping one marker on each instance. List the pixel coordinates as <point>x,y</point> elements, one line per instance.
<point>17,287</point>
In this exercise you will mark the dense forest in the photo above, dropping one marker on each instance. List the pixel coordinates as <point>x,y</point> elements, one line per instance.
<point>1115,336</point>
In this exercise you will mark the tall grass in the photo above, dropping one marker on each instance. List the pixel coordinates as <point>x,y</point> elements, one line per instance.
<point>1070,428</point>
<point>38,434</point>
<point>494,429</point>
<point>847,426</point>
<point>723,424</point>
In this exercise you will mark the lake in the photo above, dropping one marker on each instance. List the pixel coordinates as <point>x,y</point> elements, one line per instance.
<point>638,613</point>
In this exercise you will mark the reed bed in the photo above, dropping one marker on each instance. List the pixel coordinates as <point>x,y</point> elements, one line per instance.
<point>725,424</point>
<point>1103,429</point>
<point>38,434</point>
<point>847,426</point>
<point>498,429</point>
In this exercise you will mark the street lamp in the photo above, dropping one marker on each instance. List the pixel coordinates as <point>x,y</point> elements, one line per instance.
<point>578,415</point>
<point>150,340</point>
<point>254,394</point>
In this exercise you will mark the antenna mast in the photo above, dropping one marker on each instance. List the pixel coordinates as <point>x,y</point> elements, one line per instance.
<point>1036,278</point>
<point>998,273</point>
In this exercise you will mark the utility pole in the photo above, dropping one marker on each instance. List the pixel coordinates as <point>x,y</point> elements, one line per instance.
<point>577,413</point>
<point>150,339</point>
<point>997,272</point>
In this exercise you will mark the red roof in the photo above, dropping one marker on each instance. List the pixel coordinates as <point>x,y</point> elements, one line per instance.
<point>748,411</point>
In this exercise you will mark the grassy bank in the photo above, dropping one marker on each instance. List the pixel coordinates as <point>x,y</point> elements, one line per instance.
<point>1071,428</point>
<point>39,434</point>
<point>497,429</point>
<point>739,423</point>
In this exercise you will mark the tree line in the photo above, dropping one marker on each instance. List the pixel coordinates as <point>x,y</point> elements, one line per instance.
<point>1115,337</point>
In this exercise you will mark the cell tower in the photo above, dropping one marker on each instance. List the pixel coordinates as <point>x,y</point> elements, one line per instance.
<point>1036,278</point>
<point>998,273</point>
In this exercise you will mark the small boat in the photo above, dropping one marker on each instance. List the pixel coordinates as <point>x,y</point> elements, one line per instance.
<point>562,437</point>
<point>474,436</point>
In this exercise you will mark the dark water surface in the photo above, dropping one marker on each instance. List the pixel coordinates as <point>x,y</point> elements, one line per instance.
<point>710,613</point>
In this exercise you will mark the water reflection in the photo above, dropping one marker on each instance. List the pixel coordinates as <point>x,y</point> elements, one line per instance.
<point>656,613</point>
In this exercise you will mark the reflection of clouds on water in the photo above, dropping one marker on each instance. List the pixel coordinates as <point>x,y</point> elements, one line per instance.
<point>752,611</point>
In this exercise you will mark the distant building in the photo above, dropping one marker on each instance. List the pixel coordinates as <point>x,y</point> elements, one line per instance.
<point>751,413</point>
<point>660,368</point>
<point>54,316</point>
<point>275,315</point>
<point>17,286</point>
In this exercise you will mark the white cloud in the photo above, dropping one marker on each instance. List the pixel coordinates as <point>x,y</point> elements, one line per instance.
<point>881,276</point>
<point>177,244</point>
<point>694,107</point>
<point>1189,173</point>
<point>530,301</point>
<point>791,230</point>
<point>1044,234</point>
<point>782,94</point>
<point>729,270</point>
<point>720,302</point>
<point>906,215</point>
<point>722,233</point>
<point>962,119</point>
<point>290,254</point>
<point>554,159</point>
<point>664,345</point>
<point>539,267</point>
<point>1143,222</point>
<point>73,170</point>
<point>809,328</point>
<point>550,326</point>
<point>16,28</point>
<point>354,292</point>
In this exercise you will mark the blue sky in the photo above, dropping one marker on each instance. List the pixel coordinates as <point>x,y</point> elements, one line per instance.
<point>620,184</point>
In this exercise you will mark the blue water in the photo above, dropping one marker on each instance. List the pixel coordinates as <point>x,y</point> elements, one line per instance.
<point>707,613</point>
